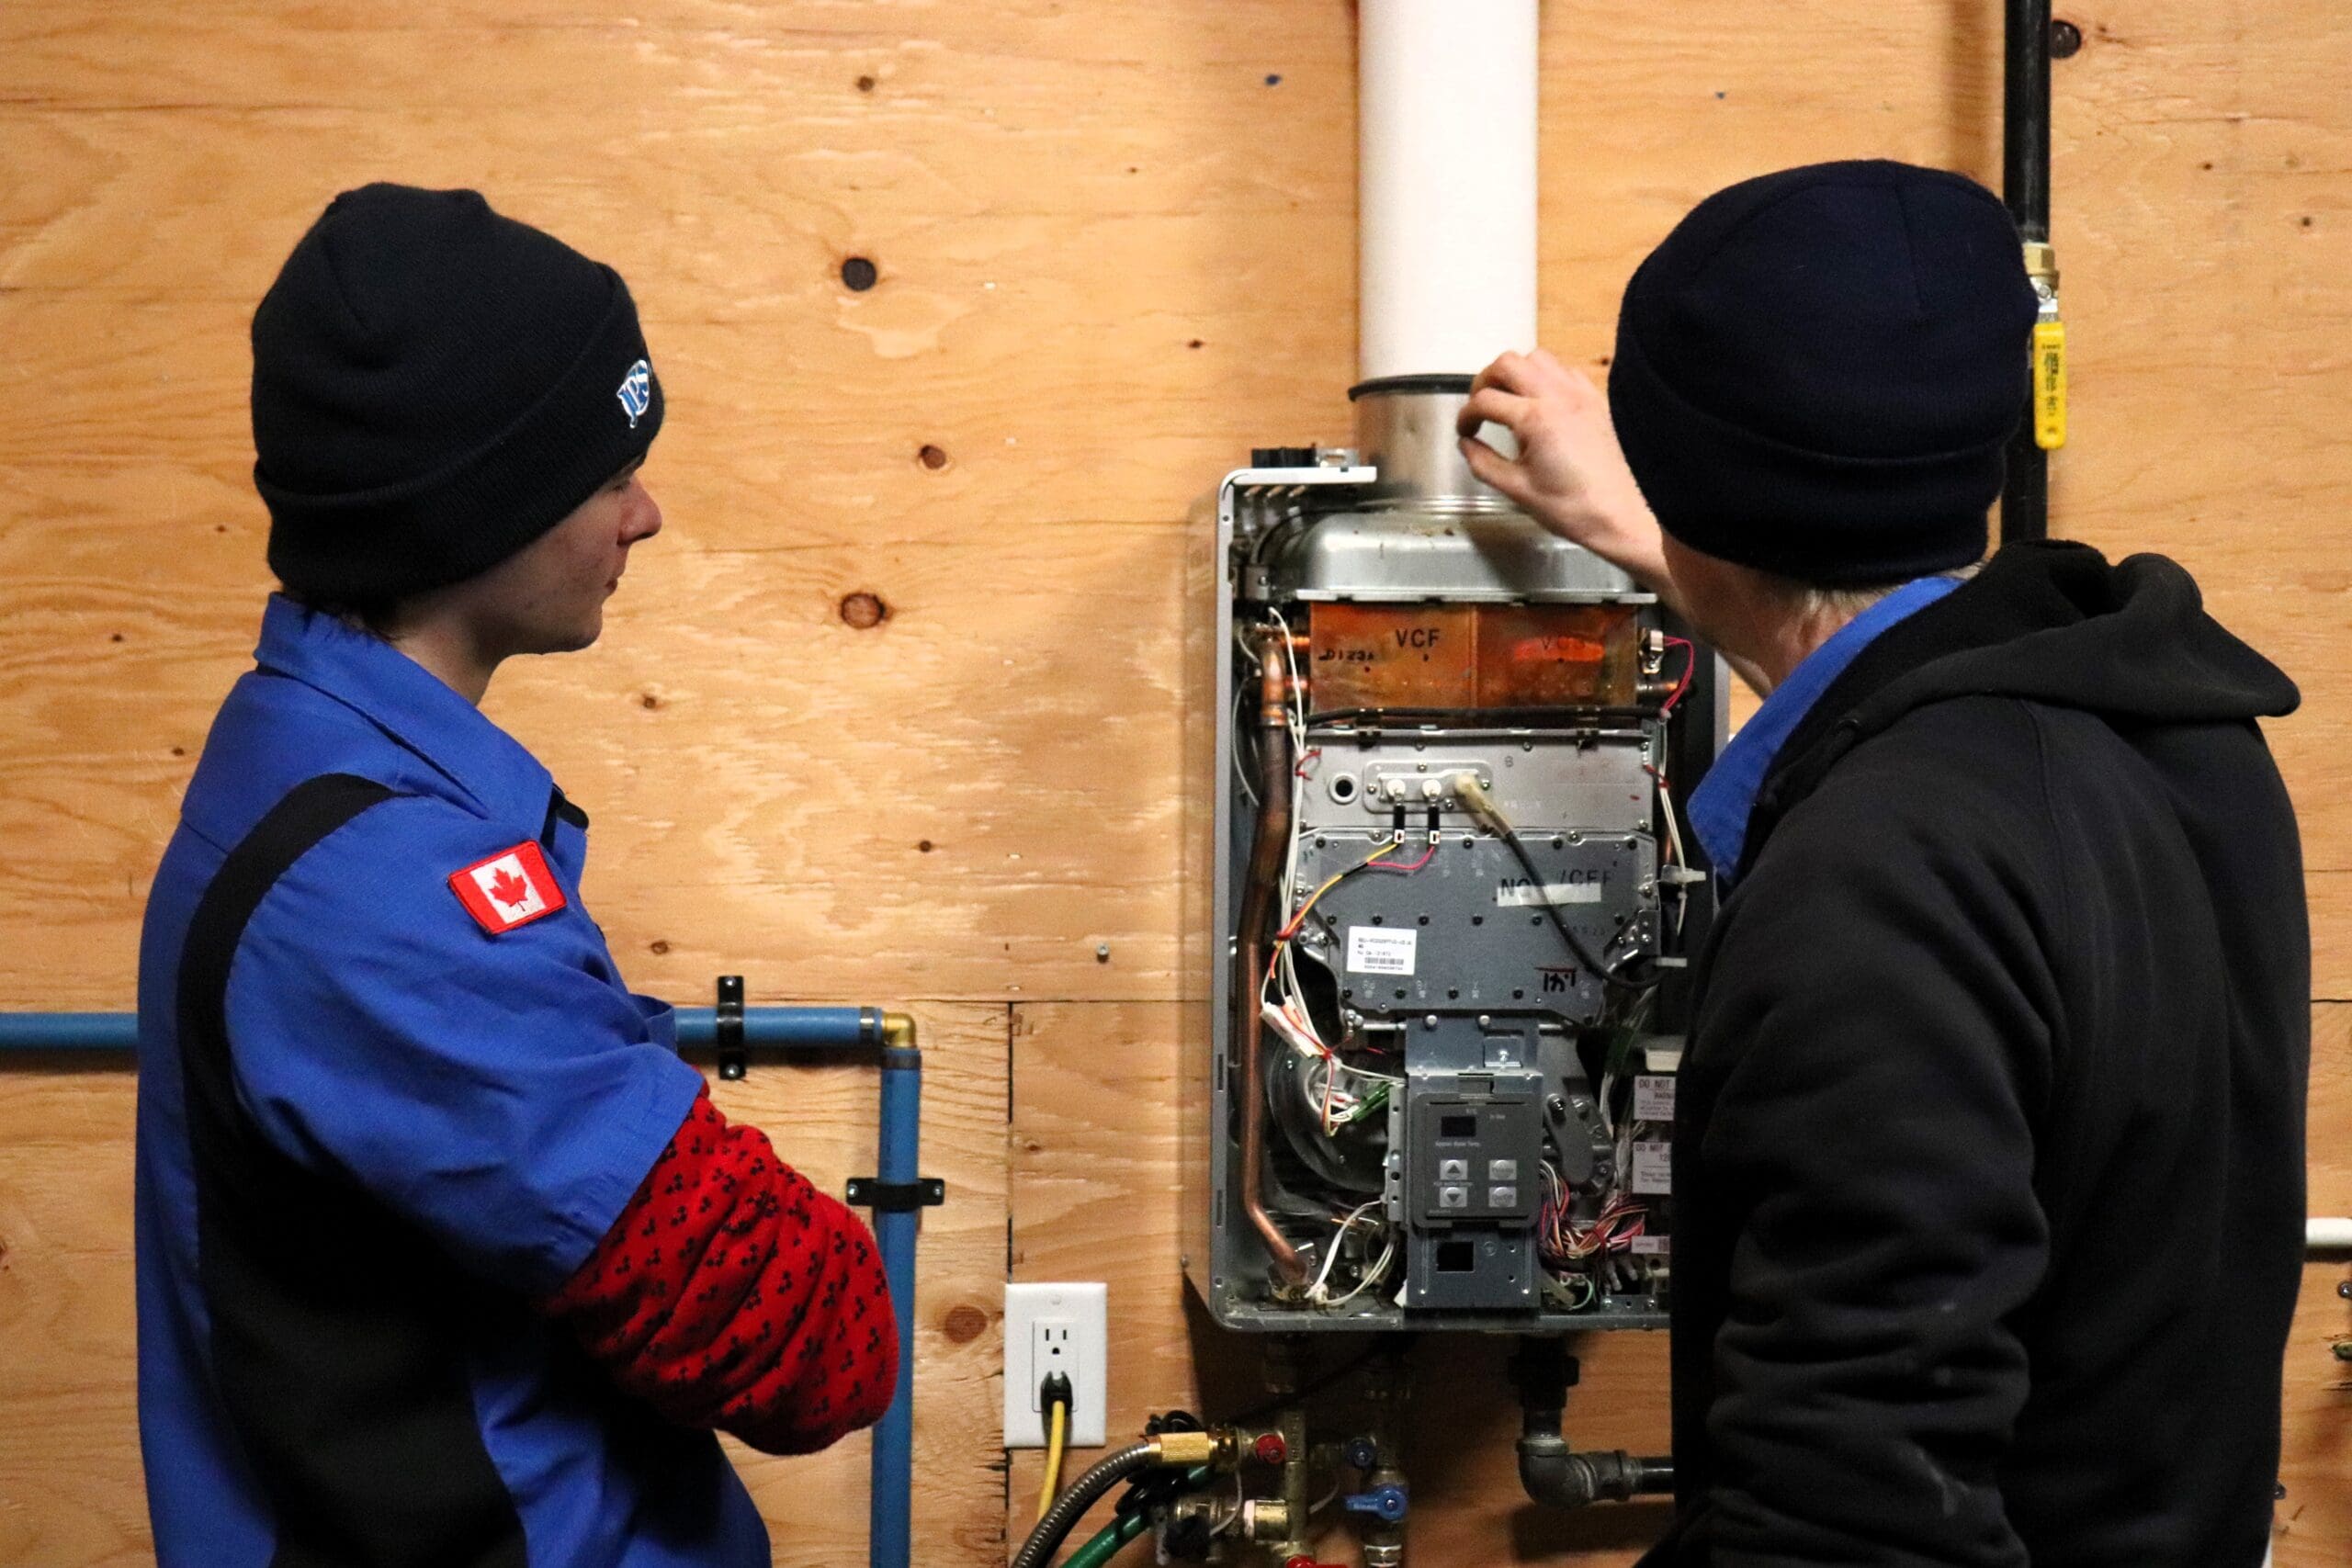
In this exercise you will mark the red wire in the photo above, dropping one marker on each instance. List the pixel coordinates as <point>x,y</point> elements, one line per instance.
<point>1689,668</point>
<point>1383,865</point>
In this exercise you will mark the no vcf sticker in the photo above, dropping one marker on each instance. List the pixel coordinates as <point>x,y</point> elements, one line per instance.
<point>1372,951</point>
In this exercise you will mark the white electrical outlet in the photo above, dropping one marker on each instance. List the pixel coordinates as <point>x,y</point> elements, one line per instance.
<point>1055,1328</point>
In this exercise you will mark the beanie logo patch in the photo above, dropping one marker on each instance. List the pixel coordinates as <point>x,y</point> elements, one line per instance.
<point>636,391</point>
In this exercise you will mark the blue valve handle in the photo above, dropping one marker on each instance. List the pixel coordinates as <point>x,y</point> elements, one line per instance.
<point>1387,1504</point>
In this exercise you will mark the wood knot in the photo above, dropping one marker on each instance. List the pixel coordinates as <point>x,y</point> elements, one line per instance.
<point>866,84</point>
<point>649,701</point>
<point>964,1323</point>
<point>932,457</point>
<point>925,845</point>
<point>863,611</point>
<point>657,947</point>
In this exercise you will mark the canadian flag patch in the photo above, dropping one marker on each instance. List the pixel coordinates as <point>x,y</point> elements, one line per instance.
<point>511,888</point>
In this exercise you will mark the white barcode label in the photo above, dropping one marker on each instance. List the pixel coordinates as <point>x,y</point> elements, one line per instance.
<point>1653,1167</point>
<point>1653,1245</point>
<point>1652,1099</point>
<point>1526,895</point>
<point>1372,951</point>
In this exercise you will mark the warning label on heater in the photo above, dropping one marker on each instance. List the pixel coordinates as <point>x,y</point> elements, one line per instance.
<point>1653,1167</point>
<point>1653,1098</point>
<point>1372,951</point>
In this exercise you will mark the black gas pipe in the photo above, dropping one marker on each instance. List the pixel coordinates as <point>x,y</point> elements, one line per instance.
<point>2025,187</point>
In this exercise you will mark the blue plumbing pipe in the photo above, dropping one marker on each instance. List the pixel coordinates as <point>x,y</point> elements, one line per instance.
<point>69,1032</point>
<point>891,1483</point>
<point>775,1028</point>
<point>815,1029</point>
<point>890,1532</point>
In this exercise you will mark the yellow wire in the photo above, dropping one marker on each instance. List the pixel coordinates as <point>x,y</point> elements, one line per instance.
<point>1299,919</point>
<point>1056,1432</point>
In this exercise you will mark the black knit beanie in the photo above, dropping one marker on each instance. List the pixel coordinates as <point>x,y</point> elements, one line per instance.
<point>1818,370</point>
<point>434,387</point>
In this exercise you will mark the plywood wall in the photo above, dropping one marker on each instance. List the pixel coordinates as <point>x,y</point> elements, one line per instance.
<point>1114,249</point>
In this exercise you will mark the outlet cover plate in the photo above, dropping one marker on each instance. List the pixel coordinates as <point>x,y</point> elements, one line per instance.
<point>1050,1327</point>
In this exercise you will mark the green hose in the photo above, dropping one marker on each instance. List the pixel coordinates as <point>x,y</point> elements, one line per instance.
<point>1123,1530</point>
<point>1106,1545</point>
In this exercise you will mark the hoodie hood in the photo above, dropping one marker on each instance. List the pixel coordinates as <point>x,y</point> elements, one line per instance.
<point>2054,621</point>
<point>2049,621</point>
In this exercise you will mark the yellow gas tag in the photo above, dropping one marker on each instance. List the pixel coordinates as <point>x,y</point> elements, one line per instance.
<point>2049,385</point>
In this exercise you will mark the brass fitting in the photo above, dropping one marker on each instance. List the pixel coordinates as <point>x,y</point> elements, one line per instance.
<point>2042,265</point>
<point>1266,1519</point>
<point>898,1030</point>
<point>1221,1449</point>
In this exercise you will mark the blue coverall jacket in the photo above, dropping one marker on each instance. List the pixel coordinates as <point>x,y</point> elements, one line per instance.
<point>379,1115</point>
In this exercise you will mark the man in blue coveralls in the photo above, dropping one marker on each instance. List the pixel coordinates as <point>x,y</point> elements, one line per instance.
<point>1989,1147</point>
<point>444,1256</point>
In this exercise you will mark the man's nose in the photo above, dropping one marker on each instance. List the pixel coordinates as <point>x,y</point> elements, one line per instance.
<point>644,518</point>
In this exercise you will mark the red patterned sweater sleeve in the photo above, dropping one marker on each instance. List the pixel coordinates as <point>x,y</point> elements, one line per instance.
<point>731,1293</point>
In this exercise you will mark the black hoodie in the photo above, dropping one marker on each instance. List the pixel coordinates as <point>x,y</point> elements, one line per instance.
<point>1988,1166</point>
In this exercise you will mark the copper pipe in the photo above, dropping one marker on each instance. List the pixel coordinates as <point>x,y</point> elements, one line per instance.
<point>1266,857</point>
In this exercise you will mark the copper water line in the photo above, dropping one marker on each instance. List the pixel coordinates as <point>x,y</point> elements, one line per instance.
<point>1266,859</point>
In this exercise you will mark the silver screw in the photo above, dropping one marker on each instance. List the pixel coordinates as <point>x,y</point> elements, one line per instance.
<point>1101,953</point>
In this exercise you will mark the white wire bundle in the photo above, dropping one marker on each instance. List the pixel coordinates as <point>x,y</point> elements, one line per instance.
<point>1319,1292</point>
<point>1287,1013</point>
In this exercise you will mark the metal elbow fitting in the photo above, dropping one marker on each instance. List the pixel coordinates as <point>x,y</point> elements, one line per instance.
<point>1557,1477</point>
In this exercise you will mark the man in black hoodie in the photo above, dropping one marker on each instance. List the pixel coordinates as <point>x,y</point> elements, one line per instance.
<point>1989,1163</point>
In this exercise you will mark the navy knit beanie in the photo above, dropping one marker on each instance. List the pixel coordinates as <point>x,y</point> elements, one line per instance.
<point>434,387</point>
<point>1816,372</point>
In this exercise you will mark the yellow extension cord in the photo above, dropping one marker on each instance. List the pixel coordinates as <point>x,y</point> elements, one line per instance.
<point>1056,1435</point>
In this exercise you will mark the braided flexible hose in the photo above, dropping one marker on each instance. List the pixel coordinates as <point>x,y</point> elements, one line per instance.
<point>1071,1505</point>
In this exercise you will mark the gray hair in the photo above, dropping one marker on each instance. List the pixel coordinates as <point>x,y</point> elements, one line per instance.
<point>1809,601</point>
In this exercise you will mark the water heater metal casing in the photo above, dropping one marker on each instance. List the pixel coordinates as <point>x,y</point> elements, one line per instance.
<point>1489,622</point>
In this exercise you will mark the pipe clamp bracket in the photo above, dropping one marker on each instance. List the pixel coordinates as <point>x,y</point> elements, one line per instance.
<point>734,1059</point>
<point>895,1197</point>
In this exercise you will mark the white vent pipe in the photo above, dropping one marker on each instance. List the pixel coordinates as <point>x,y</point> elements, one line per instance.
<point>1445,115</point>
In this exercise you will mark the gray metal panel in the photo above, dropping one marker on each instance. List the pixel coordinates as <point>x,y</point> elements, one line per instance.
<point>1408,555</point>
<point>1539,782</point>
<point>1477,933</point>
